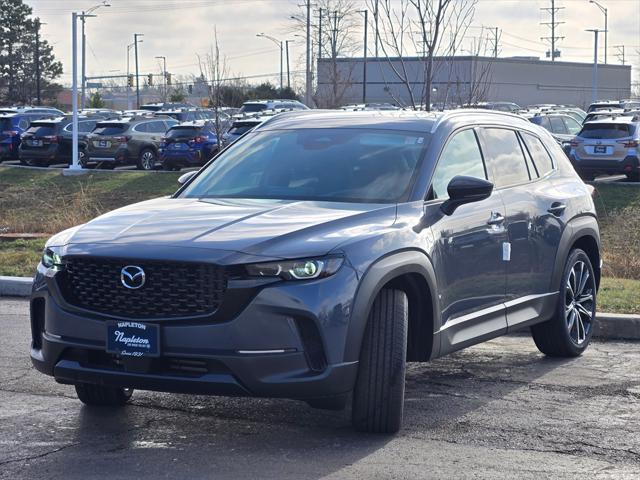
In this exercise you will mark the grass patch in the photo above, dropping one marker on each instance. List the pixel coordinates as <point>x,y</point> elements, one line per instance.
<point>48,202</point>
<point>619,217</point>
<point>619,295</point>
<point>19,258</point>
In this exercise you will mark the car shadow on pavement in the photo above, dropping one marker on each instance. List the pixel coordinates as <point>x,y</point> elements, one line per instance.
<point>449,399</point>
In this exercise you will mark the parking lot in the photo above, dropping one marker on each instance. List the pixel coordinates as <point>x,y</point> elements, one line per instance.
<point>498,410</point>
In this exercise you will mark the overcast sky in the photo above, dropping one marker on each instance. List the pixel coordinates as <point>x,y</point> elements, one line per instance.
<point>179,29</point>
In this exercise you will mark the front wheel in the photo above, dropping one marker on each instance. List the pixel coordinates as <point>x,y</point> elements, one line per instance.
<point>99,395</point>
<point>569,331</point>
<point>378,397</point>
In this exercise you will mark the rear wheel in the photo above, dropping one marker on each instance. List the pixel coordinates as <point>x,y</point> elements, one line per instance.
<point>569,332</point>
<point>378,397</point>
<point>147,159</point>
<point>99,395</point>
<point>633,177</point>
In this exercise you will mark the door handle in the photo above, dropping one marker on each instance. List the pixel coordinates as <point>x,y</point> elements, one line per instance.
<point>557,208</point>
<point>495,219</point>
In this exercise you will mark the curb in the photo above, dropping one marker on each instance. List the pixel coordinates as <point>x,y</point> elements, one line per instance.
<point>15,286</point>
<point>617,326</point>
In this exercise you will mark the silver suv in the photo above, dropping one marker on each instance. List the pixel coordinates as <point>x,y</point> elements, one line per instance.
<point>608,146</point>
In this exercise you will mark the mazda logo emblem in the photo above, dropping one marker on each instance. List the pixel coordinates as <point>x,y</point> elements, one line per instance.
<point>132,277</point>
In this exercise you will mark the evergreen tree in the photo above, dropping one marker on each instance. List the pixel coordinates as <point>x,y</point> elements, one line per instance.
<point>18,56</point>
<point>96,101</point>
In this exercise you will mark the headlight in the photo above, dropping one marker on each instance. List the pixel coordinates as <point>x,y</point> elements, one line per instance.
<point>51,259</point>
<point>305,269</point>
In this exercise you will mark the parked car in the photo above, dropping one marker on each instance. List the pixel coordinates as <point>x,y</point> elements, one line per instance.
<point>154,107</point>
<point>49,141</point>
<point>188,144</point>
<point>105,113</point>
<point>130,141</point>
<point>500,106</point>
<point>257,106</point>
<point>369,106</point>
<point>561,126</point>
<point>319,254</point>
<point>623,104</point>
<point>603,113</point>
<point>33,110</point>
<point>608,146</point>
<point>242,125</point>
<point>12,126</point>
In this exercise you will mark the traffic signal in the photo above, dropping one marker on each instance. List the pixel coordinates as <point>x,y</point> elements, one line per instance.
<point>190,89</point>
<point>130,80</point>
<point>168,78</point>
<point>150,79</point>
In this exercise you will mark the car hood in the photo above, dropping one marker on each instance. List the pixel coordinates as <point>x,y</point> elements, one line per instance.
<point>262,228</point>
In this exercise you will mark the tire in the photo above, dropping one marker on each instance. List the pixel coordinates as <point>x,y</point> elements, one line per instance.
<point>569,332</point>
<point>98,395</point>
<point>378,397</point>
<point>147,160</point>
<point>82,158</point>
<point>633,177</point>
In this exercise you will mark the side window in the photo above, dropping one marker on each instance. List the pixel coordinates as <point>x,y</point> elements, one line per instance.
<point>573,127</point>
<point>539,154</point>
<point>142,127</point>
<point>156,127</point>
<point>544,123</point>
<point>557,125</point>
<point>505,160</point>
<point>461,156</point>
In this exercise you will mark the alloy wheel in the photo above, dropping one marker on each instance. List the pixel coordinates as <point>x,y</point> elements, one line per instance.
<point>579,302</point>
<point>148,160</point>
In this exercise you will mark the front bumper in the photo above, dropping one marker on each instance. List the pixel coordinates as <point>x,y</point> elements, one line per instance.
<point>286,342</point>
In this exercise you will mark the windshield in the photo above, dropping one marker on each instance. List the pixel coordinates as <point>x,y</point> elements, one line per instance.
<point>606,130</point>
<point>182,132</point>
<point>342,165</point>
<point>41,129</point>
<point>253,107</point>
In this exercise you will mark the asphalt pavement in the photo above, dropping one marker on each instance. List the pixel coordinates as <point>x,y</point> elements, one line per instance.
<point>498,410</point>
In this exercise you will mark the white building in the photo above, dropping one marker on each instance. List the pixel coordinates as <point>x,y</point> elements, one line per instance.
<point>469,79</point>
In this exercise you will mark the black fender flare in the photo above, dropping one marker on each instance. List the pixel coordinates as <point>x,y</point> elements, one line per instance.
<point>377,275</point>
<point>583,226</point>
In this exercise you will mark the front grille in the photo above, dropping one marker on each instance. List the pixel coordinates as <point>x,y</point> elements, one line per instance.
<point>171,289</point>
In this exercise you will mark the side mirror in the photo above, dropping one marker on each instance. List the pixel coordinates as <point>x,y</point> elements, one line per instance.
<point>463,189</point>
<point>186,177</point>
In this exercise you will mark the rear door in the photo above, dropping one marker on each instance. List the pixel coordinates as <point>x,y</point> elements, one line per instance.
<point>470,270</point>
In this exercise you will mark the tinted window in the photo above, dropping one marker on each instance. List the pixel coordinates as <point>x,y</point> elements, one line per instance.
<point>342,165</point>
<point>461,156</point>
<point>557,125</point>
<point>142,127</point>
<point>542,121</point>
<point>504,157</point>
<point>606,130</point>
<point>241,128</point>
<point>42,129</point>
<point>183,132</point>
<point>539,154</point>
<point>110,128</point>
<point>157,127</point>
<point>85,127</point>
<point>253,107</point>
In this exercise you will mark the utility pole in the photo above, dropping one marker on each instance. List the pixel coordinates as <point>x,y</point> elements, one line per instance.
<point>37,62</point>
<point>319,33</point>
<point>495,43</point>
<point>553,24</point>
<point>74,92</point>
<point>364,63</point>
<point>375,21</point>
<point>286,42</point>
<point>164,74</point>
<point>308,52</point>
<point>620,54</point>
<point>135,42</point>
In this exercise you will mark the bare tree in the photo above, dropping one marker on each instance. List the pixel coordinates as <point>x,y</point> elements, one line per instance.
<point>334,36</point>
<point>214,72</point>
<point>419,28</point>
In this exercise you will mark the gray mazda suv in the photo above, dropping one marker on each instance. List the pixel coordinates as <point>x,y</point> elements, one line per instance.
<point>317,255</point>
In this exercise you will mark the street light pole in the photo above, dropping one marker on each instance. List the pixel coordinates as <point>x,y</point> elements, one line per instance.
<point>83,16</point>
<point>604,10</point>
<point>74,92</point>
<point>135,42</point>
<point>307,94</point>
<point>288,69</point>
<point>594,82</point>
<point>37,62</point>
<point>279,43</point>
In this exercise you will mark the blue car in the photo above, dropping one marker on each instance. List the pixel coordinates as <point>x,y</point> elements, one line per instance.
<point>12,126</point>
<point>188,144</point>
